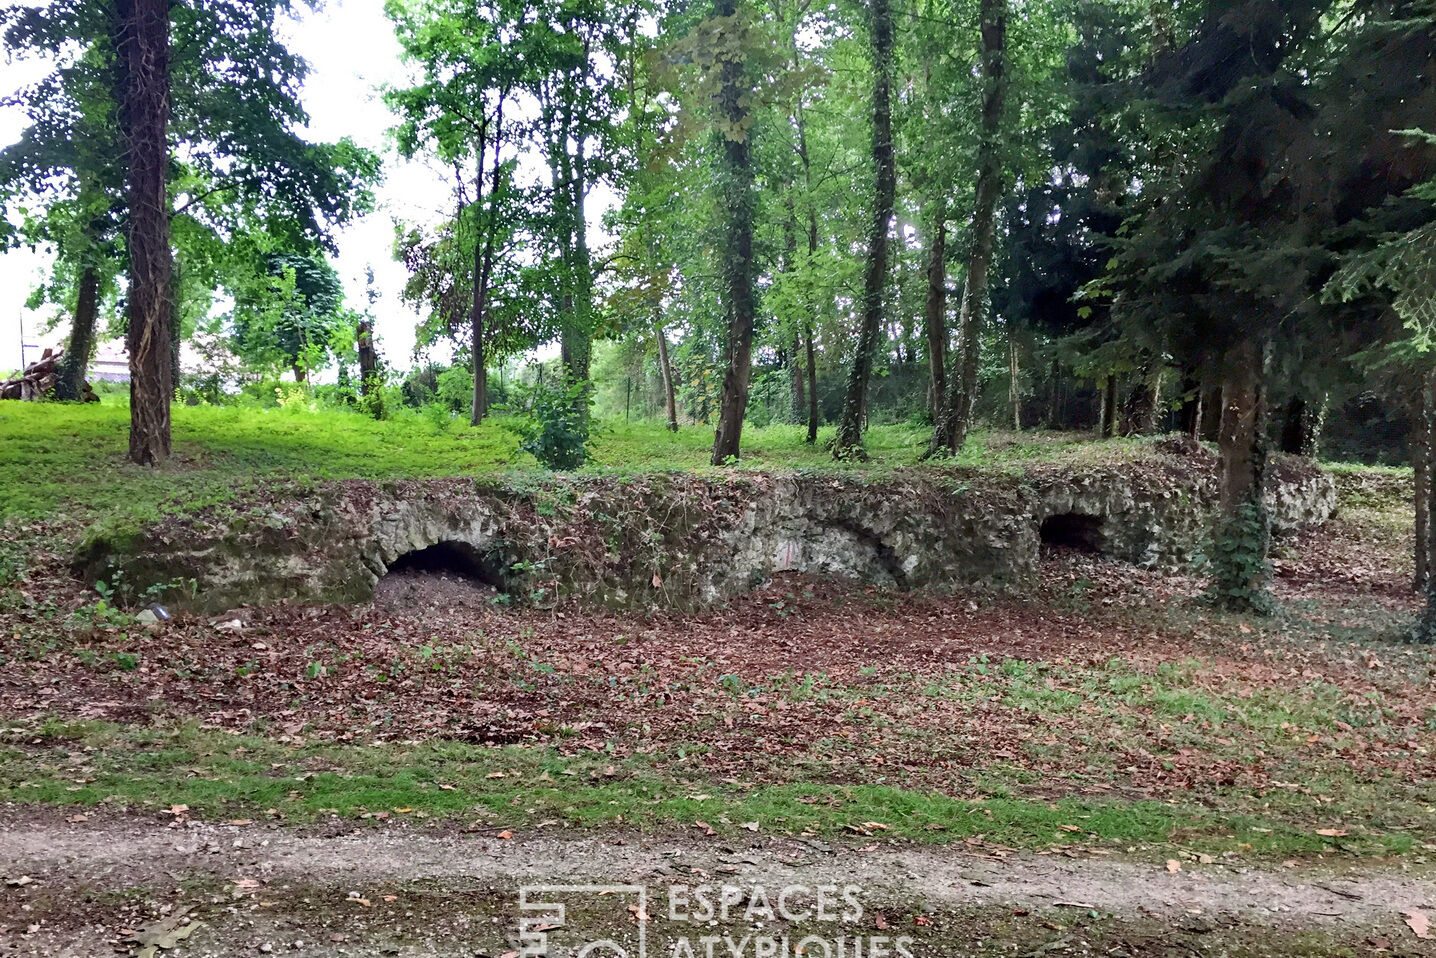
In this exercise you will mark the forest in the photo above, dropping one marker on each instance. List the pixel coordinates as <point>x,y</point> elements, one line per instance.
<point>1065,368</point>
<point>1129,218</point>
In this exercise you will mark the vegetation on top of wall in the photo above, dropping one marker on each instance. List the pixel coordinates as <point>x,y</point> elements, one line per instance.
<point>64,458</point>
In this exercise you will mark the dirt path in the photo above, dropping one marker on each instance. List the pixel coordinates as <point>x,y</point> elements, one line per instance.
<point>75,888</point>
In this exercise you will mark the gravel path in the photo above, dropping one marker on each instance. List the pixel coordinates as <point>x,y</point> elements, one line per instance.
<point>75,888</point>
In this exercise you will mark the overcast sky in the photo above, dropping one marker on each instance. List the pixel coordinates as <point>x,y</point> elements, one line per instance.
<point>352,51</point>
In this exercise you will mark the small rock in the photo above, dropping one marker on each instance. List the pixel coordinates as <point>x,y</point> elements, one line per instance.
<point>265,948</point>
<point>146,617</point>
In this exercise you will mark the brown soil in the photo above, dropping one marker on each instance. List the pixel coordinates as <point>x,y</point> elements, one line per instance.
<point>416,592</point>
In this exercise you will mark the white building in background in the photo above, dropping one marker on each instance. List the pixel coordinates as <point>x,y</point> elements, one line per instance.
<point>111,363</point>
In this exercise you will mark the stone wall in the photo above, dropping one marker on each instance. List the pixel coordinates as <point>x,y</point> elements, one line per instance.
<point>689,541</point>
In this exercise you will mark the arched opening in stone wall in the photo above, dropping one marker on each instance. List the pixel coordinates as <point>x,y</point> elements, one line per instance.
<point>1076,531</point>
<point>443,575</point>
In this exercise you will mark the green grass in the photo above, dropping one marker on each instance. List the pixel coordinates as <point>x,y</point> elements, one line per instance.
<point>59,457</point>
<point>222,776</point>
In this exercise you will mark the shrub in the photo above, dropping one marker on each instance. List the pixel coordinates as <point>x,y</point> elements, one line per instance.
<point>557,435</point>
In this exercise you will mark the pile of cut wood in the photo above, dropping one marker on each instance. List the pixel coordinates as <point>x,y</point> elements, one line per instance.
<point>38,379</point>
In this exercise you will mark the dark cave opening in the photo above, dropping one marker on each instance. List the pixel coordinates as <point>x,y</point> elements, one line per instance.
<point>1074,530</point>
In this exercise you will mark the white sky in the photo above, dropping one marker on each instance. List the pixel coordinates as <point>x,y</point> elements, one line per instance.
<point>352,51</point>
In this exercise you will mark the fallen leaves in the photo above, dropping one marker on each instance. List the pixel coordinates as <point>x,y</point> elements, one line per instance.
<point>613,687</point>
<point>1173,866</point>
<point>1419,923</point>
<point>164,934</point>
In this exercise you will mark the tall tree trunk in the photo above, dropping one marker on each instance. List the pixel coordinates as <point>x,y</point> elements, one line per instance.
<point>1212,406</point>
<point>1301,426</point>
<point>950,433</point>
<point>1421,412</point>
<point>368,357</point>
<point>300,373</point>
<point>855,400</point>
<point>575,334</point>
<point>790,266</point>
<point>144,55</point>
<point>1240,568</point>
<point>736,188</point>
<point>1140,412</point>
<point>1189,418</point>
<point>70,383</point>
<point>812,365</point>
<point>484,259</point>
<point>1107,419</point>
<point>935,310</point>
<point>476,334</point>
<point>810,353</point>
<point>670,399</point>
<point>1014,386</point>
<point>810,309</point>
<point>1424,629</point>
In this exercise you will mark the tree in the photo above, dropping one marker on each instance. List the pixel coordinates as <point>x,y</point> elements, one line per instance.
<point>70,158</point>
<point>371,376</point>
<point>950,431</point>
<point>1399,267</point>
<point>850,427</point>
<point>734,184</point>
<point>1278,149</point>
<point>287,315</point>
<point>462,111</point>
<point>237,164</point>
<point>572,49</point>
<point>144,55</point>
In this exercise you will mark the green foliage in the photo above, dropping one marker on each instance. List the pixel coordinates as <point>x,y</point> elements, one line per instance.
<point>557,435</point>
<point>239,165</point>
<point>288,313</point>
<point>373,400</point>
<point>1240,568</point>
<point>14,560</point>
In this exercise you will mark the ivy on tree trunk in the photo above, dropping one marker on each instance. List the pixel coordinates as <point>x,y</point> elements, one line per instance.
<point>670,401</point>
<point>70,383</point>
<point>144,54</point>
<point>739,299</point>
<point>855,400</point>
<point>950,432</point>
<point>1240,570</point>
<point>935,310</point>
